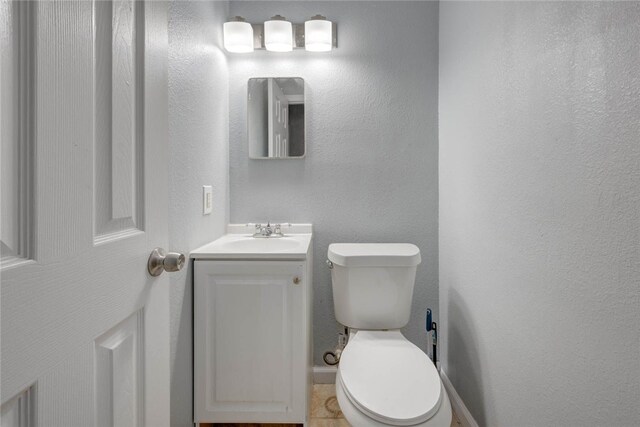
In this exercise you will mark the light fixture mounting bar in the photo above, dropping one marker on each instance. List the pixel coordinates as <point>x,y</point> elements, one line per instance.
<point>298,35</point>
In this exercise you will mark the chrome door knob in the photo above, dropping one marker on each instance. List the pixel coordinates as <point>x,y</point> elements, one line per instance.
<point>160,261</point>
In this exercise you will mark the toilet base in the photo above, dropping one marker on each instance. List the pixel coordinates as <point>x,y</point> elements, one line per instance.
<point>442,418</point>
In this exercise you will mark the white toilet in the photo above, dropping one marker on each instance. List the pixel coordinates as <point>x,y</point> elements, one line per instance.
<point>383,379</point>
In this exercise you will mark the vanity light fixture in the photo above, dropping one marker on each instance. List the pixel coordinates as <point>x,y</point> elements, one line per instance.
<point>278,34</point>
<point>238,35</point>
<point>318,34</point>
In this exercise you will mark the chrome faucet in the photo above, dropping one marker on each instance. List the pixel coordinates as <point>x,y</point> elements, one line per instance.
<point>263,231</point>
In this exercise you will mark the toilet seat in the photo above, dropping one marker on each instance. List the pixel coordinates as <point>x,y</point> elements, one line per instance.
<point>389,379</point>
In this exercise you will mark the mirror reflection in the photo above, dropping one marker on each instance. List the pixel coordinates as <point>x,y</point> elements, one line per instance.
<point>276,120</point>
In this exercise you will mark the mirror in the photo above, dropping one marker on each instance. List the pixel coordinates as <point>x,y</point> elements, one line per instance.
<point>276,124</point>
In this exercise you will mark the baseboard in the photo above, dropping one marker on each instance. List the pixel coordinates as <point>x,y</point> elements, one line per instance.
<point>324,374</point>
<point>457,404</point>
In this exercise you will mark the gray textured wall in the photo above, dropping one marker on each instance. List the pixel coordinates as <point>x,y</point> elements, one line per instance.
<point>198,132</point>
<point>371,172</point>
<point>540,211</point>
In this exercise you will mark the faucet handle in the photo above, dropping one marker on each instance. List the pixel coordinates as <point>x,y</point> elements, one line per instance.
<point>277,229</point>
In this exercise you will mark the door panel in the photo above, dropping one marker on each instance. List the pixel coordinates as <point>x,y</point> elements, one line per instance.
<point>248,338</point>
<point>18,412</point>
<point>119,143</point>
<point>260,309</point>
<point>16,130</point>
<point>119,373</point>
<point>81,317</point>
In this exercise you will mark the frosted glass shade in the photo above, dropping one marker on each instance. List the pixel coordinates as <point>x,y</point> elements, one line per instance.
<point>238,36</point>
<point>278,35</point>
<point>318,35</point>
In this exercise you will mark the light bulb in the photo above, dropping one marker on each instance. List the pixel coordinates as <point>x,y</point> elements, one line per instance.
<point>278,34</point>
<point>318,34</point>
<point>238,36</point>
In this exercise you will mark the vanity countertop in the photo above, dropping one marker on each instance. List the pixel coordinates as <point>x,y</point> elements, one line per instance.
<point>239,243</point>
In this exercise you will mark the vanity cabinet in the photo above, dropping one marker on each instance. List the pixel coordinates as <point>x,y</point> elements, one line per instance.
<point>252,341</point>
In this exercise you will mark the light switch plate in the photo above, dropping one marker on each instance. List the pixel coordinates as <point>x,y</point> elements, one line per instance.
<point>207,199</point>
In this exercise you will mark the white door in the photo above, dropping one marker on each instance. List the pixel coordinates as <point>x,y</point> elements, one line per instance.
<point>84,327</point>
<point>278,121</point>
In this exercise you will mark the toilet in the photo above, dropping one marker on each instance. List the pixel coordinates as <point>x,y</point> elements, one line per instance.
<point>383,379</point>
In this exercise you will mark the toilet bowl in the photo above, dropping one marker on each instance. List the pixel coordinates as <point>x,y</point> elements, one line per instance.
<point>383,379</point>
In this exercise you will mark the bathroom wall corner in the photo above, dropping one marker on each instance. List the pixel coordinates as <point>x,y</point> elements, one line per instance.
<point>199,155</point>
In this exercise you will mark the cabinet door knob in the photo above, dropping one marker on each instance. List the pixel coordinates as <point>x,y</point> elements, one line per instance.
<point>296,280</point>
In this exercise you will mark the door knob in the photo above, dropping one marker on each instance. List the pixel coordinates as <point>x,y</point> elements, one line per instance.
<point>160,261</point>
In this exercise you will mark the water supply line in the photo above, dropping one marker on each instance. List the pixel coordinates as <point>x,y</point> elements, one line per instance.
<point>332,358</point>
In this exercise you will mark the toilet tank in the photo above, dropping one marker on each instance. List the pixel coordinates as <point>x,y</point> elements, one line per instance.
<point>373,283</point>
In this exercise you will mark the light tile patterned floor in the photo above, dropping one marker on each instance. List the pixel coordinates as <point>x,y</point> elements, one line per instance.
<point>325,411</point>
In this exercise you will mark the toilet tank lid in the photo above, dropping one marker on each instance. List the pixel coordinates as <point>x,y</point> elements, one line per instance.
<point>374,254</point>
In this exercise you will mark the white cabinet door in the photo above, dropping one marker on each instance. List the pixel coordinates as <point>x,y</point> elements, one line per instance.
<point>249,343</point>
<point>83,119</point>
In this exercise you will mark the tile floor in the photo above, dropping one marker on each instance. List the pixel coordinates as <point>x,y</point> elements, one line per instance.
<point>325,411</point>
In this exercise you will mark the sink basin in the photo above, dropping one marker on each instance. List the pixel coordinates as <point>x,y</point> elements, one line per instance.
<point>245,246</point>
<point>268,245</point>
